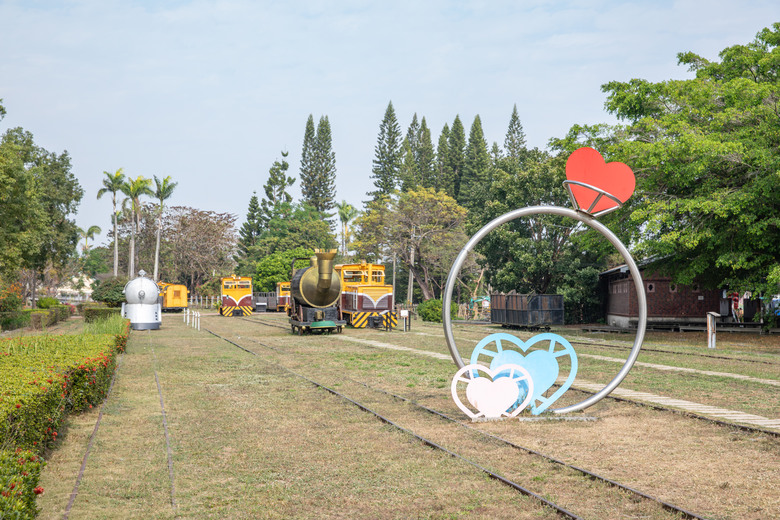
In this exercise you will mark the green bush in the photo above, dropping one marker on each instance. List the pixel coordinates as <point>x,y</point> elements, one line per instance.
<point>47,302</point>
<point>430,310</point>
<point>10,302</point>
<point>14,320</point>
<point>110,292</point>
<point>92,314</point>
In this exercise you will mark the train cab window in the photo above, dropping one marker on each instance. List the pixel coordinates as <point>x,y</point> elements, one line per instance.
<point>354,276</point>
<point>244,285</point>
<point>228,286</point>
<point>378,277</point>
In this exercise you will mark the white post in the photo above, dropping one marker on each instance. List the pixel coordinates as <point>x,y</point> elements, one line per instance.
<point>711,328</point>
<point>198,322</point>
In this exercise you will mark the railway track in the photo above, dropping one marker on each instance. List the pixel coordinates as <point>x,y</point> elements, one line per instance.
<point>560,511</point>
<point>653,406</point>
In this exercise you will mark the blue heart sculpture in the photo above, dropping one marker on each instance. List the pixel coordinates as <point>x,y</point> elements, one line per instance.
<point>542,365</point>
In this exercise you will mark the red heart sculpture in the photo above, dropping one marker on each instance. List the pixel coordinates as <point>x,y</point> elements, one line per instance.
<point>586,165</point>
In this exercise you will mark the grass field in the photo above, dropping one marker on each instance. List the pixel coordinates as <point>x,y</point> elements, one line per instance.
<point>250,440</point>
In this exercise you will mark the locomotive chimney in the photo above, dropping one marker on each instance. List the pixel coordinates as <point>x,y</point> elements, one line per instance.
<point>324,268</point>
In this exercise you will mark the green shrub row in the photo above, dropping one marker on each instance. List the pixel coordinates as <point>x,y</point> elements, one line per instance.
<point>42,379</point>
<point>13,320</point>
<point>92,314</point>
<point>20,472</point>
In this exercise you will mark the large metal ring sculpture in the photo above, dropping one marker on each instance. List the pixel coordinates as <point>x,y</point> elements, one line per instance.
<point>586,219</point>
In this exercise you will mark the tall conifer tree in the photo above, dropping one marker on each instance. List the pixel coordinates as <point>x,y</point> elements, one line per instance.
<point>410,169</point>
<point>251,229</point>
<point>514,143</point>
<point>444,180</point>
<point>456,146</point>
<point>276,189</point>
<point>475,180</point>
<point>307,158</point>
<point>426,158</point>
<point>387,155</point>
<point>324,196</point>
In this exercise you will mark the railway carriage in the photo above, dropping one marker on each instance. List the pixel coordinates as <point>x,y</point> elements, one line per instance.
<point>366,300</point>
<point>236,296</point>
<point>174,296</point>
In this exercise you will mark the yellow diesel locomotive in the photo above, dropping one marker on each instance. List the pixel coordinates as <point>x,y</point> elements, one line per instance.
<point>174,296</point>
<point>236,296</point>
<point>366,300</point>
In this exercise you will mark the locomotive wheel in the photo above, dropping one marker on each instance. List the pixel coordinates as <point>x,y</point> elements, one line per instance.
<point>338,329</point>
<point>293,328</point>
<point>300,331</point>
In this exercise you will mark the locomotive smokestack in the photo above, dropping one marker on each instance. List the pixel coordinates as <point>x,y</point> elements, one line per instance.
<point>324,268</point>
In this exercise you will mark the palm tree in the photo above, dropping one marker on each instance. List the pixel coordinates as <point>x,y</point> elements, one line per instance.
<point>162,191</point>
<point>113,183</point>
<point>347,212</point>
<point>88,234</point>
<point>133,190</point>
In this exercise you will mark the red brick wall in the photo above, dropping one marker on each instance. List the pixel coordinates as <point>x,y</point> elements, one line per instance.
<point>664,299</point>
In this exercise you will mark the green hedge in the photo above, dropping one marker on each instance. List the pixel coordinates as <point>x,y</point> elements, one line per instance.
<point>93,314</point>
<point>14,320</point>
<point>20,472</point>
<point>42,379</point>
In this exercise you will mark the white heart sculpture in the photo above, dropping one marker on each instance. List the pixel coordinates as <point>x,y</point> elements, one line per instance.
<point>492,398</point>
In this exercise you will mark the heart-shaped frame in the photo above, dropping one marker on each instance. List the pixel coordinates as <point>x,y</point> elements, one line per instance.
<point>461,376</point>
<point>539,403</point>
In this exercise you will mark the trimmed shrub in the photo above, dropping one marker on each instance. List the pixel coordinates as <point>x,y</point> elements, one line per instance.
<point>92,314</point>
<point>47,302</point>
<point>430,310</point>
<point>42,318</point>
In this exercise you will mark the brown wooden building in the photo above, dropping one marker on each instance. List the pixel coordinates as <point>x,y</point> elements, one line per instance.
<point>668,303</point>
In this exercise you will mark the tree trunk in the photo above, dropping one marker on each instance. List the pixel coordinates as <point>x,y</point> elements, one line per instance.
<point>157,249</point>
<point>116,244</point>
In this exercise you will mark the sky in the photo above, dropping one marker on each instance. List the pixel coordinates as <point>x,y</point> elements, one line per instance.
<point>210,92</point>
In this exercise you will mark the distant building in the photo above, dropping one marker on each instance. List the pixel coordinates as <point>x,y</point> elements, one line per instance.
<point>78,289</point>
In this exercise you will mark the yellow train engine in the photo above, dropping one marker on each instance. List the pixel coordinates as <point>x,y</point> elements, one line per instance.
<point>366,300</point>
<point>282,296</point>
<point>236,296</point>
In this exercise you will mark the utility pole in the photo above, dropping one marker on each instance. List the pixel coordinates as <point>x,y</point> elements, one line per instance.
<point>411,277</point>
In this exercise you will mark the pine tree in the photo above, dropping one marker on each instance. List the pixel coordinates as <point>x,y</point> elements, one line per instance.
<point>475,179</point>
<point>456,146</point>
<point>275,189</point>
<point>514,143</point>
<point>323,197</point>
<point>307,160</point>
<point>387,155</point>
<point>251,229</point>
<point>410,169</point>
<point>426,158</point>
<point>444,180</point>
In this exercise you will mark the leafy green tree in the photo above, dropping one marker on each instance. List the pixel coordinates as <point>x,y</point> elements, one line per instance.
<point>293,225</point>
<point>134,189</point>
<point>387,155</point>
<point>112,183</point>
<point>706,152</point>
<point>456,156</point>
<point>110,291</point>
<point>95,261</point>
<point>22,217</point>
<point>275,268</point>
<point>477,168</point>
<point>163,190</point>
<point>423,228</point>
